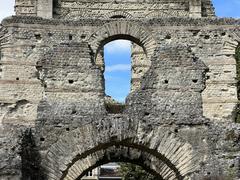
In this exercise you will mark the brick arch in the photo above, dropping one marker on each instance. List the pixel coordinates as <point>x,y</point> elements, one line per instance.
<point>123,30</point>
<point>164,153</point>
<point>230,45</point>
<point>108,155</point>
<point>118,13</point>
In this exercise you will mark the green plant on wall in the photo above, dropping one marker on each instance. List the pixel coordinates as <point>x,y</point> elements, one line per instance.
<point>237,57</point>
<point>134,172</point>
<point>231,173</point>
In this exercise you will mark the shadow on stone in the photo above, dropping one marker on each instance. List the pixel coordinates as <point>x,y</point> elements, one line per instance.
<point>31,168</point>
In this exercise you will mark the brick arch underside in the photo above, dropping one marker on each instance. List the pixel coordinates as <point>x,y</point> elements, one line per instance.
<point>230,45</point>
<point>118,13</point>
<point>123,30</point>
<point>161,152</point>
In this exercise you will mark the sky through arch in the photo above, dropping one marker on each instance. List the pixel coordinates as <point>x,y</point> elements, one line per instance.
<point>117,58</point>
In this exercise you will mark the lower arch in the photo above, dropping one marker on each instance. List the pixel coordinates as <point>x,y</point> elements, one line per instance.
<point>164,169</point>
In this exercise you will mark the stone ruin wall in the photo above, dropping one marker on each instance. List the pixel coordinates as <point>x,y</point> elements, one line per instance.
<point>52,83</point>
<point>23,47</point>
<point>63,9</point>
<point>220,94</point>
<point>217,50</point>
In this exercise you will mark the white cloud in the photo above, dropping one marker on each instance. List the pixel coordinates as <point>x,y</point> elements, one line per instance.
<point>118,67</point>
<point>120,46</point>
<point>6,8</point>
<point>120,99</point>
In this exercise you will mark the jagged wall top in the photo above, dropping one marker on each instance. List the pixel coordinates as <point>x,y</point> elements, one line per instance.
<point>74,9</point>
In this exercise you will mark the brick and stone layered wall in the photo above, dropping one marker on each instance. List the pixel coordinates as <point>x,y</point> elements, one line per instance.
<point>65,9</point>
<point>50,82</point>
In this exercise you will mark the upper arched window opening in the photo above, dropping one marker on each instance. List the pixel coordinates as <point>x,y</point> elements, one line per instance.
<point>117,75</point>
<point>123,64</point>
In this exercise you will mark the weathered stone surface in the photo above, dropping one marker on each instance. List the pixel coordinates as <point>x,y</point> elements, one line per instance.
<point>111,9</point>
<point>178,120</point>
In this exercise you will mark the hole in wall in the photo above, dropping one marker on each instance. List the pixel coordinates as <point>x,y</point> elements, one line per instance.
<point>70,37</point>
<point>83,36</point>
<point>195,32</point>
<point>206,37</point>
<point>168,36</point>
<point>38,36</point>
<point>42,139</point>
<point>70,81</point>
<point>17,78</point>
<point>223,34</point>
<point>74,111</point>
<point>224,90</point>
<point>195,59</point>
<point>195,80</point>
<point>146,113</point>
<point>117,17</point>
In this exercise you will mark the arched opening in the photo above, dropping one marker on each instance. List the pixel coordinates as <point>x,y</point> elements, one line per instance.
<point>123,62</point>
<point>119,171</point>
<point>117,74</point>
<point>161,153</point>
<point>150,160</point>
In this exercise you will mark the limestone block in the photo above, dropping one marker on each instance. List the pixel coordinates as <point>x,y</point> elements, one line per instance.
<point>219,112</point>
<point>16,72</point>
<point>45,8</point>
<point>224,73</point>
<point>77,97</point>
<point>195,8</point>
<point>21,113</point>
<point>30,91</point>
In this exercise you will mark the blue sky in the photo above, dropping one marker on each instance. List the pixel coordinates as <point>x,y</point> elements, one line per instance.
<point>117,56</point>
<point>227,8</point>
<point>118,53</point>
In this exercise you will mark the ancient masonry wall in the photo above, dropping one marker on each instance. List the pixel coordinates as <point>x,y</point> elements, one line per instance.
<point>50,82</point>
<point>130,9</point>
<point>216,49</point>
